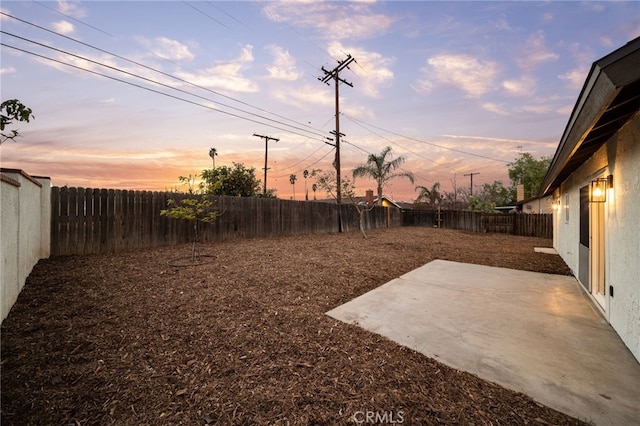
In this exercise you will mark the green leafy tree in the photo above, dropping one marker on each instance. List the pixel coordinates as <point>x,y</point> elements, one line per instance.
<point>528,171</point>
<point>328,182</point>
<point>479,204</point>
<point>237,181</point>
<point>12,110</point>
<point>382,168</point>
<point>196,207</point>
<point>496,193</point>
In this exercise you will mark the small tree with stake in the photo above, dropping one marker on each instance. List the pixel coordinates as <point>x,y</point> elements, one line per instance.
<point>328,182</point>
<point>194,209</point>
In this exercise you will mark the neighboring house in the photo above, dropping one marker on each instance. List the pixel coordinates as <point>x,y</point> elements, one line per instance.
<point>594,179</point>
<point>389,202</point>
<point>536,205</point>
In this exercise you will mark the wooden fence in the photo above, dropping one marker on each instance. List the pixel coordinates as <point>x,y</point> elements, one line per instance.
<point>529,225</point>
<point>92,221</point>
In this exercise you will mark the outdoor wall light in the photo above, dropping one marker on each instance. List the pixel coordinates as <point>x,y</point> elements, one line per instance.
<point>599,186</point>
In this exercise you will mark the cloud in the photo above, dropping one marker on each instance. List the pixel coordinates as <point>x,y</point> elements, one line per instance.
<point>7,70</point>
<point>283,66</point>
<point>575,78</point>
<point>534,52</point>
<point>525,86</point>
<point>537,109</point>
<point>225,74</point>
<point>72,9</point>
<point>171,50</point>
<point>473,76</point>
<point>63,27</point>
<point>315,94</point>
<point>495,108</point>
<point>372,71</point>
<point>333,20</point>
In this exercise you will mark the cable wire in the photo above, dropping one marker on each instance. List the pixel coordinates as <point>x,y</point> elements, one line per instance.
<point>150,89</point>
<point>164,73</point>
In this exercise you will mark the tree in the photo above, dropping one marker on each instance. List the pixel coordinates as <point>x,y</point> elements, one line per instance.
<point>430,196</point>
<point>12,110</point>
<point>237,181</point>
<point>328,182</point>
<point>497,193</point>
<point>381,168</point>
<point>193,209</point>
<point>529,172</point>
<point>292,181</point>
<point>314,187</point>
<point>456,199</point>
<point>213,153</point>
<point>305,174</point>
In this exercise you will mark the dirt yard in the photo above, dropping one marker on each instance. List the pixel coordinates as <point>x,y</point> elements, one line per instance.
<point>126,339</point>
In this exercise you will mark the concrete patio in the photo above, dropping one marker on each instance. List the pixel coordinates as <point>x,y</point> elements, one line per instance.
<point>534,333</point>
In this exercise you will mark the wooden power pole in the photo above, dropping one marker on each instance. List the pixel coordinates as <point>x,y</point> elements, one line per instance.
<point>266,152</point>
<point>334,75</point>
<point>471,175</point>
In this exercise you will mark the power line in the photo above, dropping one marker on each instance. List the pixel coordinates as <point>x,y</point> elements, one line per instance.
<point>72,18</point>
<point>205,14</point>
<point>151,90</point>
<point>431,143</point>
<point>320,132</point>
<point>154,81</point>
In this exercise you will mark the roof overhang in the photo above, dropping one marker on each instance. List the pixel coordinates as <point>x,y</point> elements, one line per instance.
<point>609,98</point>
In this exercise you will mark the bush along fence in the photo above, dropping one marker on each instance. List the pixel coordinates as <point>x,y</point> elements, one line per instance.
<point>528,225</point>
<point>93,221</point>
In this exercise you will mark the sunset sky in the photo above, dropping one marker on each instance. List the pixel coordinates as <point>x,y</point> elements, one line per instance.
<point>455,87</point>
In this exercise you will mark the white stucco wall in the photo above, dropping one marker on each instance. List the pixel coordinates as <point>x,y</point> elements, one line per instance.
<point>25,223</point>
<point>8,246</point>
<point>623,235</point>
<point>620,157</point>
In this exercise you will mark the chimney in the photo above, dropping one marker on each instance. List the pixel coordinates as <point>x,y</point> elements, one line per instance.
<point>369,197</point>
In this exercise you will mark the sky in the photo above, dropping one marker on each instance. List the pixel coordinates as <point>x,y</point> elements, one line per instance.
<point>133,94</point>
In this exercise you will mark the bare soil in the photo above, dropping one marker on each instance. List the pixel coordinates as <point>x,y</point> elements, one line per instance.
<point>126,339</point>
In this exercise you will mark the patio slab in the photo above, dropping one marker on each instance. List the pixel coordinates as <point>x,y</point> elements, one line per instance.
<point>535,333</point>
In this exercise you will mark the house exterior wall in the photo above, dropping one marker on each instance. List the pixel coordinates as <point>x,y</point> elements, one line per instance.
<point>619,157</point>
<point>538,206</point>
<point>25,223</point>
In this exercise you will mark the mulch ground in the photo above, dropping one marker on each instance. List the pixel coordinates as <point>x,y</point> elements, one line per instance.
<point>127,339</point>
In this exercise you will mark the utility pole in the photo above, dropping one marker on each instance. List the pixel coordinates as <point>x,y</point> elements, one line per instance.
<point>266,152</point>
<point>471,174</point>
<point>334,75</point>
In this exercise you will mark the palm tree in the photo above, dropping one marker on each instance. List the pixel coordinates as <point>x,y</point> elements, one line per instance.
<point>305,174</point>
<point>431,196</point>
<point>381,168</point>
<point>213,153</point>
<point>292,181</point>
